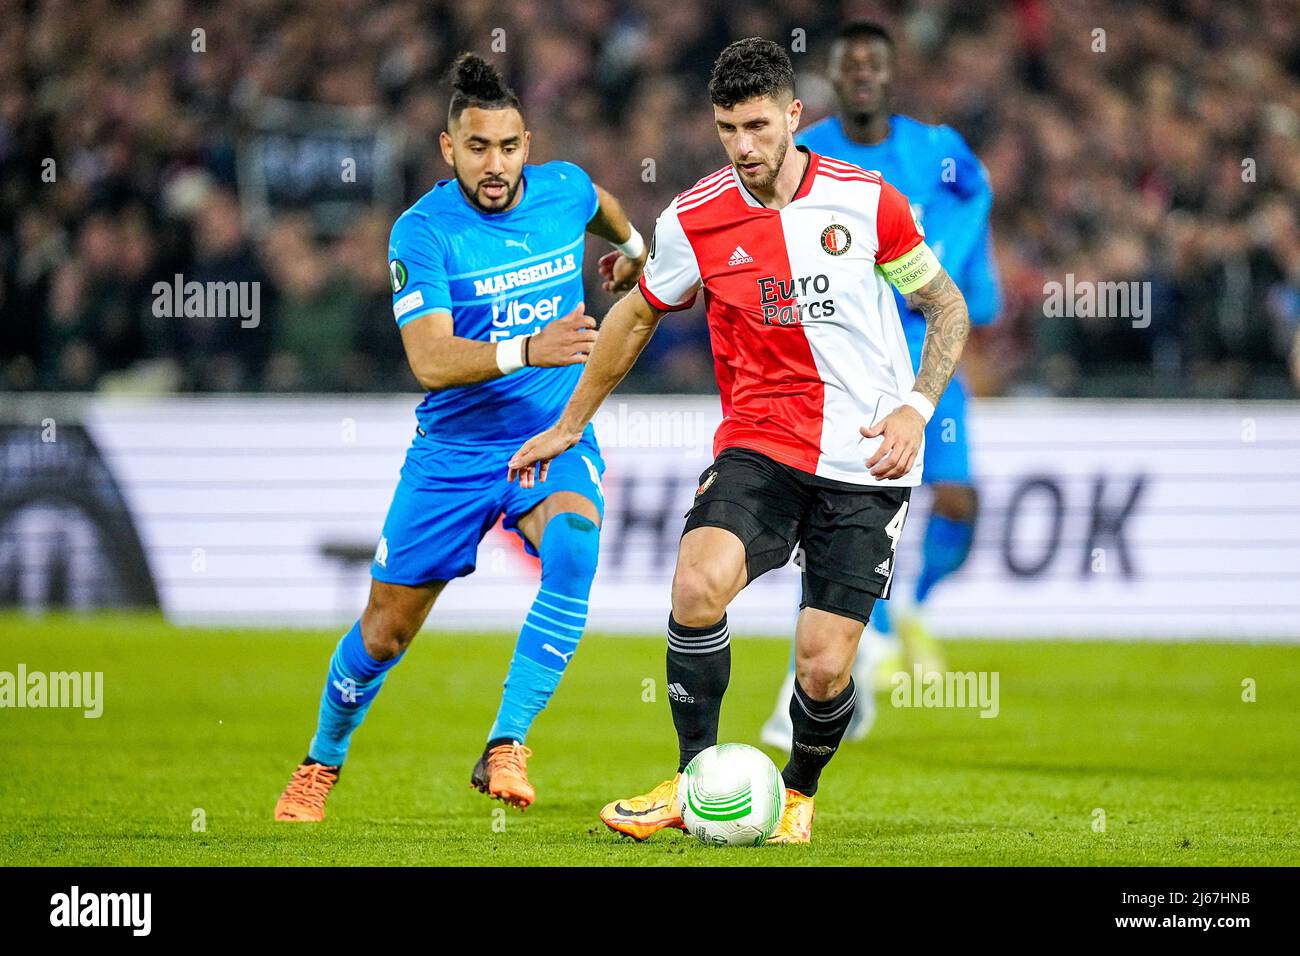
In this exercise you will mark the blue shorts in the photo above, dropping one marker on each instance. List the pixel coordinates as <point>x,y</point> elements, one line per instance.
<point>449,497</point>
<point>947,445</point>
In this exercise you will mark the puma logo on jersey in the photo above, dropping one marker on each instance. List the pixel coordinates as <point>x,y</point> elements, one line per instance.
<point>739,257</point>
<point>520,243</point>
<point>556,651</point>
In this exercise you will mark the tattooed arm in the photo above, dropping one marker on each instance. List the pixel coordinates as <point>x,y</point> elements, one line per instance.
<point>946,327</point>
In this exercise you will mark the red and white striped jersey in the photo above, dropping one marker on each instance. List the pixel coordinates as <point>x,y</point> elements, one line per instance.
<point>807,342</point>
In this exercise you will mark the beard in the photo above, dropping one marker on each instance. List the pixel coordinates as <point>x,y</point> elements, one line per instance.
<point>773,169</point>
<point>472,193</point>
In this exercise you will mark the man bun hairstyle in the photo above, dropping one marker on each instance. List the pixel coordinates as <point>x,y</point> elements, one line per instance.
<point>750,68</point>
<point>476,83</point>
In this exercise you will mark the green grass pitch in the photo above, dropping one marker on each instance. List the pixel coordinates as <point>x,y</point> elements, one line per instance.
<point>1156,736</point>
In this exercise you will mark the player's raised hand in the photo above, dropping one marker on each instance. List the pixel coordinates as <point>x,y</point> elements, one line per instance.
<point>619,272</point>
<point>901,432</point>
<point>530,462</point>
<point>566,341</point>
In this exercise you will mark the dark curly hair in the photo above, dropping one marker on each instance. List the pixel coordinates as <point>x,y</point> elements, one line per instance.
<point>749,68</point>
<point>477,83</point>
<point>864,30</point>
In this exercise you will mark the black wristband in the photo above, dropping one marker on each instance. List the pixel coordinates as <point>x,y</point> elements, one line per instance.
<point>527,339</point>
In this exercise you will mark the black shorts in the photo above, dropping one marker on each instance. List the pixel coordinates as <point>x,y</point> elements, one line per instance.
<point>846,533</point>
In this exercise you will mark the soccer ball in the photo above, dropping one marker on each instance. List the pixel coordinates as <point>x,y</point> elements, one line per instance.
<point>732,795</point>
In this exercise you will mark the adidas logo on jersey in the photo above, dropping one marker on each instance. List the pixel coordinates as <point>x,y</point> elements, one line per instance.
<point>739,257</point>
<point>883,567</point>
<point>679,693</point>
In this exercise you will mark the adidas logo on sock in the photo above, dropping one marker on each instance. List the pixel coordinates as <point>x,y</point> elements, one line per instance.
<point>680,694</point>
<point>817,750</point>
<point>883,567</point>
<point>739,257</point>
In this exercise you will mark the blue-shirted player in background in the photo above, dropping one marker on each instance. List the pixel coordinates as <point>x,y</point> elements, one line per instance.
<point>486,273</point>
<point>952,199</point>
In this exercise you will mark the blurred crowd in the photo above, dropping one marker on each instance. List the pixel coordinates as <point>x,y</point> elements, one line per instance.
<point>1153,142</point>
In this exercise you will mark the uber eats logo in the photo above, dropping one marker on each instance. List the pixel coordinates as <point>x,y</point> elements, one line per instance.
<point>782,299</point>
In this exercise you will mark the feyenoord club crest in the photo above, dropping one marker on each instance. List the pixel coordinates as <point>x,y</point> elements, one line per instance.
<point>836,239</point>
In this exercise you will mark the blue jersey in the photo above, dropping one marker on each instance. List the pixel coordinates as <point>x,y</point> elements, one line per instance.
<point>498,275</point>
<point>949,190</point>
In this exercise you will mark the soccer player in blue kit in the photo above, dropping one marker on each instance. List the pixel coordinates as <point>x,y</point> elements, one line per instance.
<point>486,274</point>
<point>952,199</point>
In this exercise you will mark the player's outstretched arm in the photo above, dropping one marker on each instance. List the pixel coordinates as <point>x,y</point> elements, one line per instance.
<point>441,359</point>
<point>621,268</point>
<point>947,325</point>
<point>624,333</point>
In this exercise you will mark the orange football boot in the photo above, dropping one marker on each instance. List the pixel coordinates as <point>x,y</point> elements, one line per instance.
<point>796,822</point>
<point>503,773</point>
<point>303,800</point>
<point>638,817</point>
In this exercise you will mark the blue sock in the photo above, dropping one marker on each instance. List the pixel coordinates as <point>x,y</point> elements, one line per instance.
<point>353,680</point>
<point>947,543</point>
<point>549,637</point>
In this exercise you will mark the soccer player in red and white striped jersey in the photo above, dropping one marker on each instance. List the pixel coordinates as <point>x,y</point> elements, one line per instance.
<point>823,418</point>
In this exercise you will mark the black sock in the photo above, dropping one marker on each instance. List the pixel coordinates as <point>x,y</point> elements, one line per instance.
<point>819,727</point>
<point>497,742</point>
<point>699,668</point>
<point>338,771</point>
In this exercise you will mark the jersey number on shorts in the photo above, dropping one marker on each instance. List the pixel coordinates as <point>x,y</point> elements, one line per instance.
<point>895,530</point>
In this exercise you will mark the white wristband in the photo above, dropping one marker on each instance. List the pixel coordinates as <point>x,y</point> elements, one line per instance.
<point>510,354</point>
<point>921,404</point>
<point>634,246</point>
